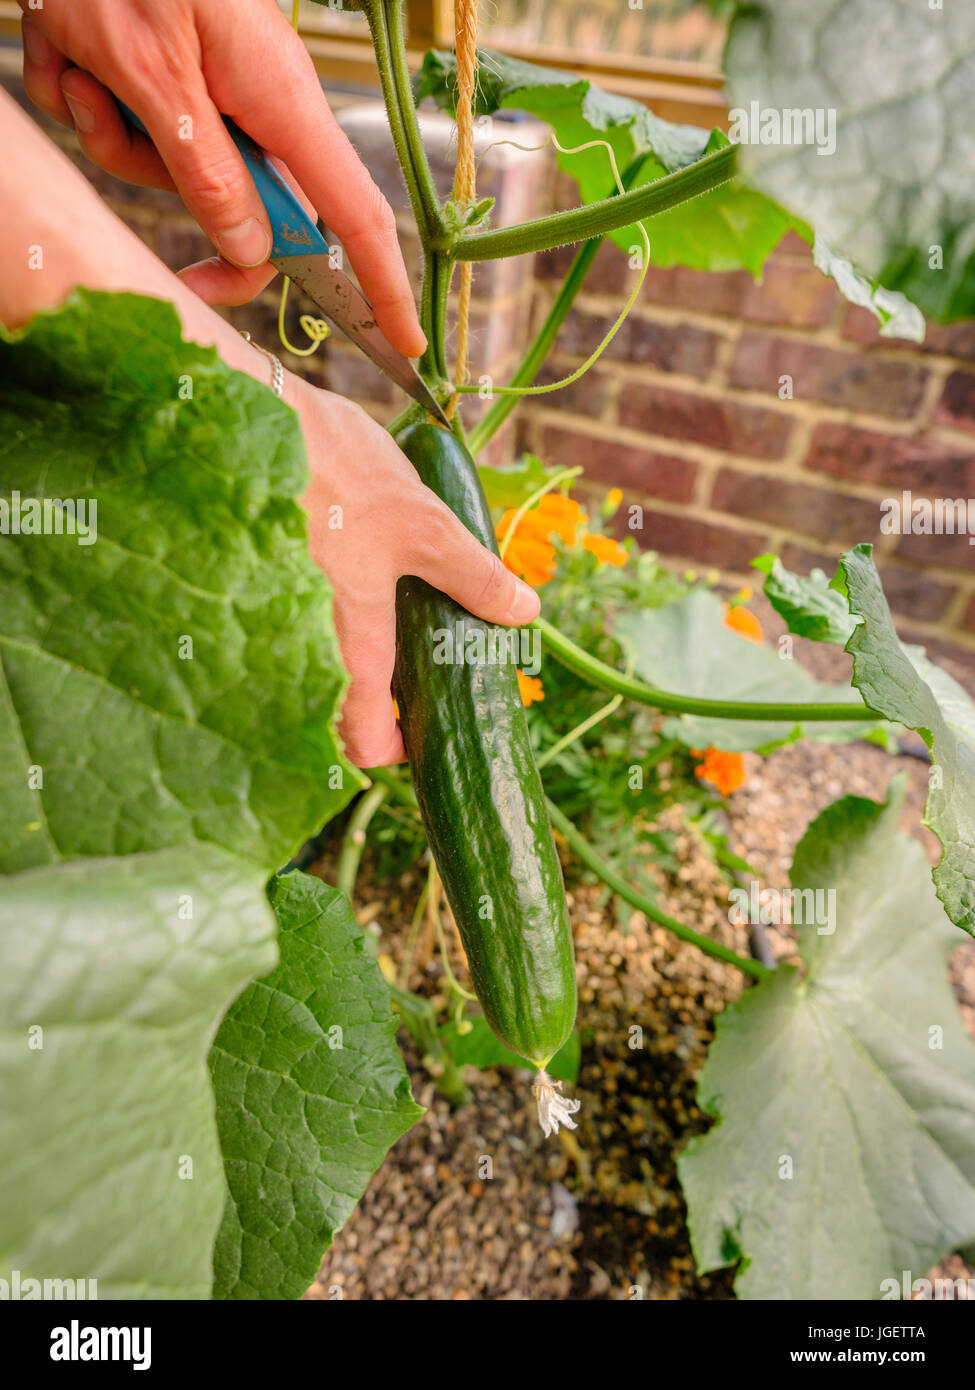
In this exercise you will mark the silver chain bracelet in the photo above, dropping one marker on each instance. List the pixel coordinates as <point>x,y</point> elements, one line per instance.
<point>277,371</point>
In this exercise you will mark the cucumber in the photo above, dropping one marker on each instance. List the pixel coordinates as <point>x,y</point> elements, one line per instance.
<point>479,791</point>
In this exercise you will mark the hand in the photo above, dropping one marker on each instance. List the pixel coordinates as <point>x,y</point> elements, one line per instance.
<point>391,524</point>
<point>179,64</point>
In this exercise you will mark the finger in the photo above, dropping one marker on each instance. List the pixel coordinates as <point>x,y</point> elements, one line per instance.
<point>106,138</point>
<point>304,132</point>
<point>216,281</point>
<point>367,638</point>
<point>446,555</point>
<point>208,172</point>
<point>43,66</point>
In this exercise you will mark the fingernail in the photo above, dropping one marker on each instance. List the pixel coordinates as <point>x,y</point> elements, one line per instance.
<point>526,605</point>
<point>247,244</point>
<point>82,114</point>
<point>37,46</point>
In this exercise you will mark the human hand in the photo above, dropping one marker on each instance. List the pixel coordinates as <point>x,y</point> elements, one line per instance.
<point>390,524</point>
<point>180,66</point>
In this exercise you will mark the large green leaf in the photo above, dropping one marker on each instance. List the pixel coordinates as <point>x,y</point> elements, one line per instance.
<point>900,187</point>
<point>198,536</point>
<point>844,1152</point>
<point>165,696</point>
<point>311,1092</point>
<point>902,684</point>
<point>111,1162</point>
<point>726,229</point>
<point>812,605</point>
<point>686,649</point>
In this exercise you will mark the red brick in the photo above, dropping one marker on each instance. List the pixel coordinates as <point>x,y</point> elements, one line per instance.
<point>851,380</point>
<point>688,538</point>
<point>609,273</point>
<point>587,396</point>
<point>789,293</point>
<point>721,423</point>
<point>702,291</point>
<point>621,465</point>
<point>957,404</point>
<point>952,551</point>
<point>666,346</point>
<point>817,512</point>
<point>915,594</point>
<point>801,560</point>
<point>948,339</point>
<point>869,456</point>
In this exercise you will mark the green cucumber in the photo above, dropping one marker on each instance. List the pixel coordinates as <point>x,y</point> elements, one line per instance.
<point>479,791</point>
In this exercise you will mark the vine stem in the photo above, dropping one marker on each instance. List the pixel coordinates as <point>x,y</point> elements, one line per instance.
<point>581,846</point>
<point>386,19</point>
<point>596,219</point>
<point>354,839</point>
<point>598,673</point>
<point>527,370</point>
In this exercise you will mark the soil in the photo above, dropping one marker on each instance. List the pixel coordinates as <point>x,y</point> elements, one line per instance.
<point>475,1203</point>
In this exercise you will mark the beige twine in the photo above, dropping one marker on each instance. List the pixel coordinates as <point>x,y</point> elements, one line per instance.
<point>465,175</point>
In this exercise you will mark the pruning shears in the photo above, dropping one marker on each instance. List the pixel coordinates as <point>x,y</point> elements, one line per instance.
<point>299,251</point>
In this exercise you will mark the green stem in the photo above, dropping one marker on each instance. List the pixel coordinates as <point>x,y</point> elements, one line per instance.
<point>400,787</point>
<point>596,219</point>
<point>527,370</point>
<point>354,839</point>
<point>420,1021</point>
<point>582,728</point>
<point>581,846</point>
<point>386,21</point>
<point>590,668</point>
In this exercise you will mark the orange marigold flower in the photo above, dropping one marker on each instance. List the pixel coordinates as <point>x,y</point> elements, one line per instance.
<point>533,560</point>
<point>562,516</point>
<point>742,620</point>
<point>606,550</point>
<point>614,497</point>
<point>531,689</point>
<point>726,771</point>
<point>530,553</point>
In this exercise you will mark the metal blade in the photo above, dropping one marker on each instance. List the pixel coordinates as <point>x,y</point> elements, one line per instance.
<point>339,300</point>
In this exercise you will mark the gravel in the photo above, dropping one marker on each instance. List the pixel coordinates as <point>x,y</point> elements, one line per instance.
<point>476,1204</point>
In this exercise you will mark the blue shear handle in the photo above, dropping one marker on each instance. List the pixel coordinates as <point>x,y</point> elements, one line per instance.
<point>293,232</point>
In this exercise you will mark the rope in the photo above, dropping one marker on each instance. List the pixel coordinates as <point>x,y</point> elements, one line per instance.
<point>465,175</point>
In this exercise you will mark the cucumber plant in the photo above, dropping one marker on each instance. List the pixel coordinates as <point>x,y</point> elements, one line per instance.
<point>223,1054</point>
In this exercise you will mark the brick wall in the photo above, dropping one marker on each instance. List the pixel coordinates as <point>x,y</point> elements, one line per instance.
<point>685,415</point>
<point>684,410</point>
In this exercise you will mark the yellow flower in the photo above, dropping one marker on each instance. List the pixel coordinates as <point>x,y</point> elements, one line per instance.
<point>531,689</point>
<point>744,621</point>
<point>606,550</point>
<point>726,771</point>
